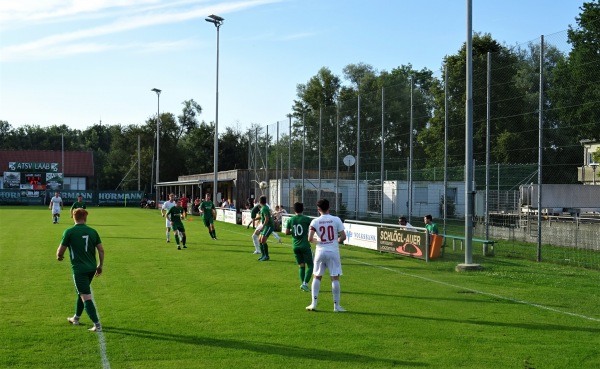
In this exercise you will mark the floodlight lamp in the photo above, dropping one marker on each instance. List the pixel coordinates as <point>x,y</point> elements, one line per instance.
<point>216,18</point>
<point>156,90</point>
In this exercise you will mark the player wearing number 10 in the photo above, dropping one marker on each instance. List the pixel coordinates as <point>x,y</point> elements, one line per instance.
<point>330,230</point>
<point>82,242</point>
<point>298,227</point>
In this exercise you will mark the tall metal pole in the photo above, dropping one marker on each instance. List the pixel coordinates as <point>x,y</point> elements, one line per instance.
<point>540,150</point>
<point>337,161</point>
<point>289,162</point>
<point>410,156</point>
<point>217,21</point>
<point>469,143</point>
<point>139,171</point>
<point>445,145</point>
<point>157,142</point>
<point>276,165</point>
<point>357,168</point>
<point>487,146</point>
<point>320,140</point>
<point>303,149</point>
<point>382,151</point>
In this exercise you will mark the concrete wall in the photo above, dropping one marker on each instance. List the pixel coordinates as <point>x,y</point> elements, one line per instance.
<point>568,234</point>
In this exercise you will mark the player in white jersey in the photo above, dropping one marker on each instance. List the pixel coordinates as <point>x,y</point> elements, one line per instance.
<point>56,204</point>
<point>164,210</point>
<point>330,232</point>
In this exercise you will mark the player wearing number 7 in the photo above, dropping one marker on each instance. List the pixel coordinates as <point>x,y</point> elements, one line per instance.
<point>82,242</point>
<point>330,232</point>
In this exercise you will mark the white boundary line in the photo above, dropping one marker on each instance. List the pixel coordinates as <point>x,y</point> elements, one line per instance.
<point>101,339</point>
<point>479,292</point>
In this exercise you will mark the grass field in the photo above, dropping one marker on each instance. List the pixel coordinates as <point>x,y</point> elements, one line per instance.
<point>214,306</point>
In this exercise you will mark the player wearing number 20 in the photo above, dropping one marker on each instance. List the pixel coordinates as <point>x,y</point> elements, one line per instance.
<point>330,231</point>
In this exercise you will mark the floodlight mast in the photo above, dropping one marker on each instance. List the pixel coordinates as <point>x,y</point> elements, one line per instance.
<point>217,21</point>
<point>157,141</point>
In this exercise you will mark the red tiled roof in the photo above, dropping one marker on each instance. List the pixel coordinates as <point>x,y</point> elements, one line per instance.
<point>77,163</point>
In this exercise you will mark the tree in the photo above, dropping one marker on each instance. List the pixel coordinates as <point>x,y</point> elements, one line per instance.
<point>512,112</point>
<point>188,120</point>
<point>577,93</point>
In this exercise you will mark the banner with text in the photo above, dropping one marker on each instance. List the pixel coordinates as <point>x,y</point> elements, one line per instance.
<point>406,243</point>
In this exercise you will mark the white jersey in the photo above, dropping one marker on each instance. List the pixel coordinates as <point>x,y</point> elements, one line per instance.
<point>55,201</point>
<point>327,227</point>
<point>166,206</point>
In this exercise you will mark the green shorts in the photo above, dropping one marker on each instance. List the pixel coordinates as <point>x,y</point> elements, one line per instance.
<point>207,221</point>
<point>83,282</point>
<point>178,227</point>
<point>266,231</point>
<point>303,255</point>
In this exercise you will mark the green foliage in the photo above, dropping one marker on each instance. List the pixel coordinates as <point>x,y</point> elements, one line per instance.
<point>578,77</point>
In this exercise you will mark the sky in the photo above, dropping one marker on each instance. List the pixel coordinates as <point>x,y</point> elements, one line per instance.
<point>82,62</point>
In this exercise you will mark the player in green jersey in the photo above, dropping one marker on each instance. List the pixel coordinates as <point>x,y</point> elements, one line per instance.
<point>79,204</point>
<point>82,242</point>
<point>208,211</point>
<point>268,227</point>
<point>431,227</point>
<point>298,226</point>
<point>176,214</point>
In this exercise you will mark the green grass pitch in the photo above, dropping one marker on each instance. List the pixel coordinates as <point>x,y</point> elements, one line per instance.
<point>215,306</point>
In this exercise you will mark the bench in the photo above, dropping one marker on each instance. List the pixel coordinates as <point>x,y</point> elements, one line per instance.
<point>488,245</point>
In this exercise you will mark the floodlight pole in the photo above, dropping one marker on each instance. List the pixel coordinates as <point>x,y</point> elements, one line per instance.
<point>157,141</point>
<point>217,21</point>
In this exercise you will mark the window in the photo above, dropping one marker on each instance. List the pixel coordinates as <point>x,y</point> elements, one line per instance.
<point>74,183</point>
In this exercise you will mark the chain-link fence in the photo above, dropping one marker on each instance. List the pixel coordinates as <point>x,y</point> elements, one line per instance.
<point>395,146</point>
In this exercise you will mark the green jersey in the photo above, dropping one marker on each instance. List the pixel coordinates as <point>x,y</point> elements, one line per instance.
<point>432,228</point>
<point>254,211</point>
<point>81,241</point>
<point>299,225</point>
<point>175,214</point>
<point>206,207</point>
<point>265,212</point>
<point>77,205</point>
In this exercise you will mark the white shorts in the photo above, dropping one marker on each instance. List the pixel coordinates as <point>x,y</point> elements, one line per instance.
<point>55,211</point>
<point>167,223</point>
<point>259,228</point>
<point>326,259</point>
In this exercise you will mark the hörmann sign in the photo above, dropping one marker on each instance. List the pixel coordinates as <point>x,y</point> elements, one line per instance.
<point>119,198</point>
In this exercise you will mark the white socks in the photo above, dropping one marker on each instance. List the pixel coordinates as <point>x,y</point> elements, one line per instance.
<point>316,286</point>
<point>335,290</point>
<point>277,236</point>
<point>255,241</point>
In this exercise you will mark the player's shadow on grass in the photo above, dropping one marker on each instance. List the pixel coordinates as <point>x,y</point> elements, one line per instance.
<point>130,238</point>
<point>400,296</point>
<point>264,348</point>
<point>528,326</point>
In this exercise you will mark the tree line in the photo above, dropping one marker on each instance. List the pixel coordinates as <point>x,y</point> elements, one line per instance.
<point>394,112</point>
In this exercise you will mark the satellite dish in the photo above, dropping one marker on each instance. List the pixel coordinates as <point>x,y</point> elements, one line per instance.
<point>349,160</point>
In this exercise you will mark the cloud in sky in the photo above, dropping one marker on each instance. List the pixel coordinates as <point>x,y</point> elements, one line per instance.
<point>122,15</point>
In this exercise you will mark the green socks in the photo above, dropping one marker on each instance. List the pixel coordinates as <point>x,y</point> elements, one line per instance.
<point>90,309</point>
<point>79,306</point>
<point>301,272</point>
